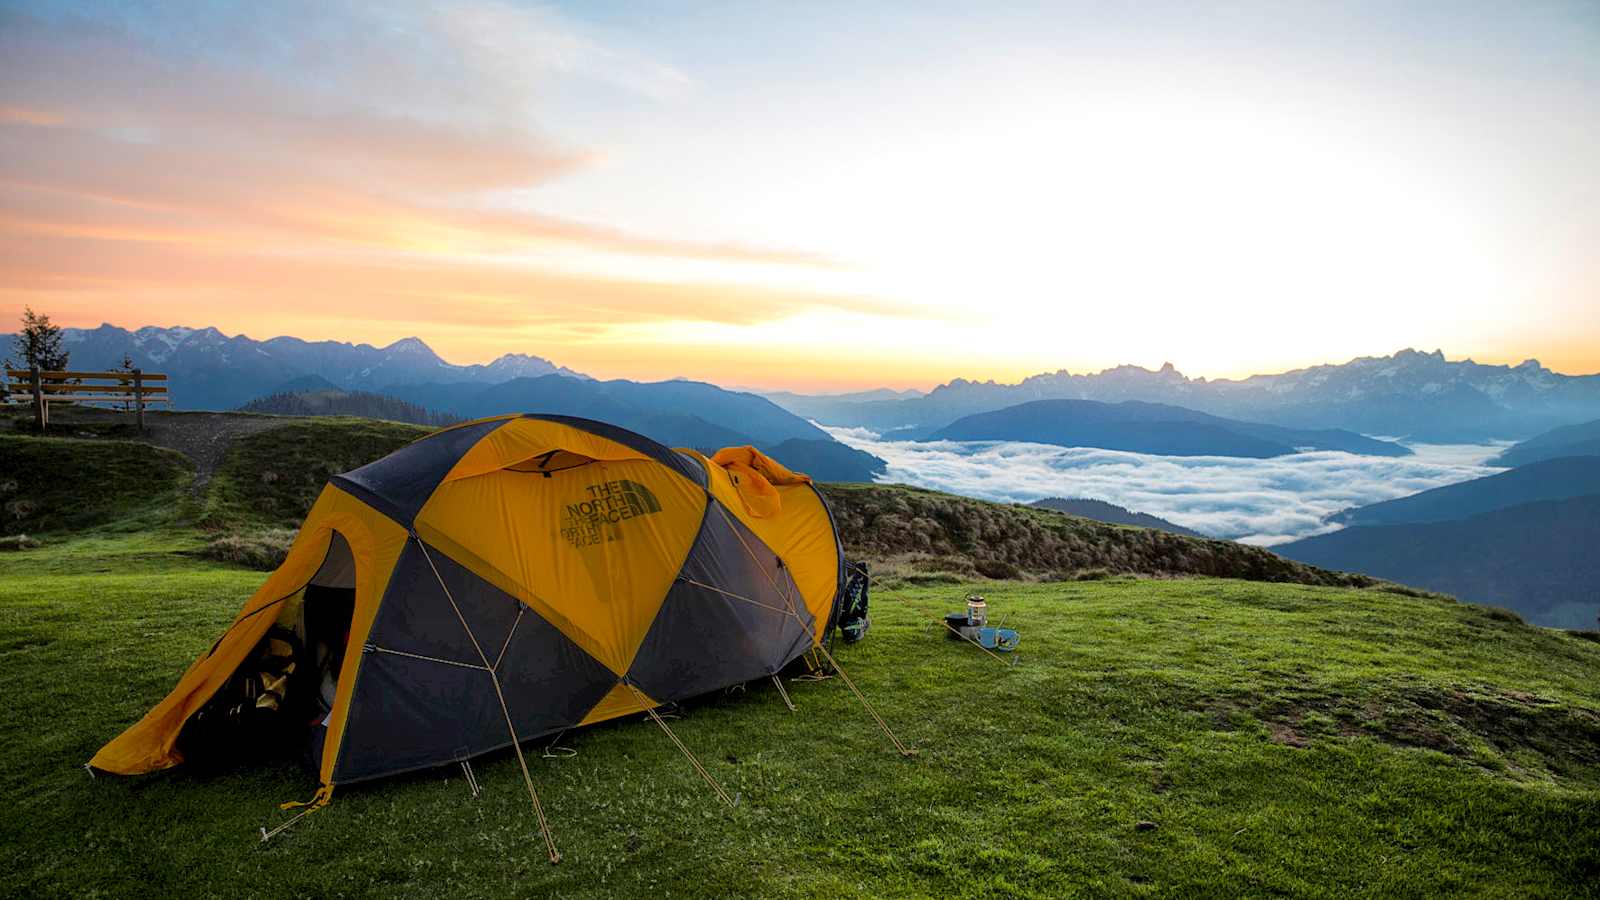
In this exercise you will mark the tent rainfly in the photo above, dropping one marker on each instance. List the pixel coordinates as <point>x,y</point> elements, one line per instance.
<point>504,579</point>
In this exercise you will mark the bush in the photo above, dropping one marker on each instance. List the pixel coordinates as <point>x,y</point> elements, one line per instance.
<point>265,549</point>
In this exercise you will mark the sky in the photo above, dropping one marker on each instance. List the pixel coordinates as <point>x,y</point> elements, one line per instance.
<point>816,196</point>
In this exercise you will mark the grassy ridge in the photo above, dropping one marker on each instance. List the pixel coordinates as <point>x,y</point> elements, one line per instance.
<point>920,531</point>
<point>56,484</point>
<point>1154,738</point>
<point>272,477</point>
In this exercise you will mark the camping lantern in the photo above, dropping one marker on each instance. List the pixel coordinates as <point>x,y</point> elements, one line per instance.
<point>977,611</point>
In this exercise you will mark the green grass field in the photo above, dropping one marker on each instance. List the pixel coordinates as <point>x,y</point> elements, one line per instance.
<point>1154,738</point>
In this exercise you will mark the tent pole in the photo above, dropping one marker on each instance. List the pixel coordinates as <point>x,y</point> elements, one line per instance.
<point>516,742</point>
<point>656,717</point>
<point>864,702</point>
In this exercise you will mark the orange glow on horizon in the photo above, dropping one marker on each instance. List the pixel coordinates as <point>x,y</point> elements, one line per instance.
<point>1110,189</point>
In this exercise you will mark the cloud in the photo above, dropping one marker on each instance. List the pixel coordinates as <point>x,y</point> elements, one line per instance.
<point>345,151</point>
<point>1256,501</point>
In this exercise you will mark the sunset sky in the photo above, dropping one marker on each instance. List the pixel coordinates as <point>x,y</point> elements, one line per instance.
<point>816,195</point>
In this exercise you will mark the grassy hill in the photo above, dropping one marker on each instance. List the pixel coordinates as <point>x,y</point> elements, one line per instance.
<point>1154,737</point>
<point>923,535</point>
<point>56,484</point>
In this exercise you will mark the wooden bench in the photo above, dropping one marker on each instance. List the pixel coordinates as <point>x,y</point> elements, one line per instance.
<point>130,388</point>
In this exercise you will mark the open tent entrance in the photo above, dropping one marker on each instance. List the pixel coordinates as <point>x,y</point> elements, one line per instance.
<point>277,703</point>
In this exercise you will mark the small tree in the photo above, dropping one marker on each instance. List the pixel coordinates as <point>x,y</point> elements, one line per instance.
<point>39,344</point>
<point>125,366</point>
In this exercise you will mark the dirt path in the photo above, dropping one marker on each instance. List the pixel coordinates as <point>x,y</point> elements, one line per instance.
<point>204,437</point>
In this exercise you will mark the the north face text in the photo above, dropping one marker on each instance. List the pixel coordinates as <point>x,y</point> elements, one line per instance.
<point>599,517</point>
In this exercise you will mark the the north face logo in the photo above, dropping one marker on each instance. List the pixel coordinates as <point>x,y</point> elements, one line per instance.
<point>598,517</point>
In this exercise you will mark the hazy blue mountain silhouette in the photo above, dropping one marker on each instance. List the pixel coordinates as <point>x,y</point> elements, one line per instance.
<point>1571,440</point>
<point>1155,428</point>
<point>1537,559</point>
<point>676,413</point>
<point>827,460</point>
<point>1422,396</point>
<point>1551,479</point>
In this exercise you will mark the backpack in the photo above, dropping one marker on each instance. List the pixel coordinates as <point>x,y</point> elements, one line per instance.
<point>853,620</point>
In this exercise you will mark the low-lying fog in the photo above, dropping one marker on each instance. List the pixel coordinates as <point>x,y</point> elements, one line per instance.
<point>1256,501</point>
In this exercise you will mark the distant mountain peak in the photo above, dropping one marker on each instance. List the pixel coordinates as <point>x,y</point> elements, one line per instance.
<point>1411,354</point>
<point>411,344</point>
<point>1422,396</point>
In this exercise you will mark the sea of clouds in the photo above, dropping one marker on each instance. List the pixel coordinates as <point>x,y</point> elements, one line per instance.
<point>1256,501</point>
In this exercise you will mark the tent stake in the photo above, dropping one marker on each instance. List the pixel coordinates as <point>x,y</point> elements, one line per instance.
<point>785,694</point>
<point>269,835</point>
<point>472,780</point>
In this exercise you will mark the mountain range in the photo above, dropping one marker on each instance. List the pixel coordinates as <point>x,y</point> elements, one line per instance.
<point>787,399</point>
<point>1582,439</point>
<point>1523,539</point>
<point>1155,428</point>
<point>1419,396</point>
<point>1549,479</point>
<point>1536,559</point>
<point>211,370</point>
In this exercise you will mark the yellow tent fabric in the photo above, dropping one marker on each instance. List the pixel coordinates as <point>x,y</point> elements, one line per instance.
<point>572,562</point>
<point>374,543</point>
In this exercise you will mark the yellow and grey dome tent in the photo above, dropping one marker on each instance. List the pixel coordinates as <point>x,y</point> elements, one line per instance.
<point>517,576</point>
